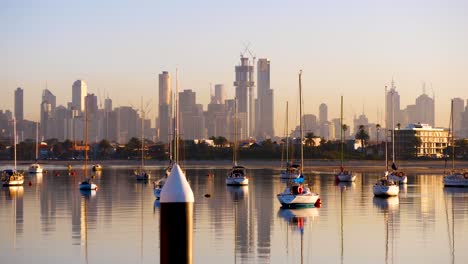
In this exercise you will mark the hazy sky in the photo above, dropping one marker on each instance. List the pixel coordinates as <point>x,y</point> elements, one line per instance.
<point>350,48</point>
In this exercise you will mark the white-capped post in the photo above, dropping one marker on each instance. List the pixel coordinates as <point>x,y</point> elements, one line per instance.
<point>176,234</point>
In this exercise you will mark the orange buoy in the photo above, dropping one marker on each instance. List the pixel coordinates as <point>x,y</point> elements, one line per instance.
<point>30,183</point>
<point>57,174</point>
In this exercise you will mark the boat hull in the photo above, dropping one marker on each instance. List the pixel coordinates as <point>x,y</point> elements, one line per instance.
<point>386,190</point>
<point>398,179</point>
<point>84,186</point>
<point>34,169</point>
<point>142,176</point>
<point>289,200</point>
<point>456,180</point>
<point>348,177</point>
<point>13,183</point>
<point>237,181</point>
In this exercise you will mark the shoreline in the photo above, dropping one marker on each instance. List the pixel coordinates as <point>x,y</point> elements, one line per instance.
<point>326,166</point>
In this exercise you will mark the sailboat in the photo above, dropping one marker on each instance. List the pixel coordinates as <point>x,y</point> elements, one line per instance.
<point>293,170</point>
<point>455,178</point>
<point>13,177</point>
<point>297,194</point>
<point>237,175</point>
<point>87,184</point>
<point>386,187</point>
<point>396,176</point>
<point>36,167</point>
<point>141,174</point>
<point>343,175</point>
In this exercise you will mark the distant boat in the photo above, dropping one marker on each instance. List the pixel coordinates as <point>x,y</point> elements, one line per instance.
<point>159,184</point>
<point>455,178</point>
<point>88,185</point>
<point>13,177</point>
<point>343,175</point>
<point>36,167</point>
<point>296,194</point>
<point>237,175</point>
<point>97,167</point>
<point>386,187</point>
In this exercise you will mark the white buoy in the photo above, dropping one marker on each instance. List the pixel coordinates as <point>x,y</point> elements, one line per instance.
<point>176,219</point>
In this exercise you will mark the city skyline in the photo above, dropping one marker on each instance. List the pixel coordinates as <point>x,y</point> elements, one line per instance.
<point>338,49</point>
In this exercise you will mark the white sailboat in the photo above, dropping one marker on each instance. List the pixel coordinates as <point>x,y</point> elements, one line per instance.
<point>36,167</point>
<point>396,175</point>
<point>87,184</point>
<point>343,175</point>
<point>237,175</point>
<point>13,177</point>
<point>141,174</point>
<point>455,178</point>
<point>297,194</point>
<point>292,170</point>
<point>386,187</point>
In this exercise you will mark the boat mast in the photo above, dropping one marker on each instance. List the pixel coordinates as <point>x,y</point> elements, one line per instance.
<point>287,131</point>
<point>37,139</point>
<point>341,133</point>
<point>300,119</point>
<point>14,138</point>
<point>86,138</point>
<point>176,117</point>
<point>386,132</point>
<point>142,138</point>
<point>392,91</point>
<point>453,135</point>
<point>234,156</point>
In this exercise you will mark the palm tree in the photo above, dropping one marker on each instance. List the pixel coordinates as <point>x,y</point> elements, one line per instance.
<point>310,139</point>
<point>362,136</point>
<point>344,127</point>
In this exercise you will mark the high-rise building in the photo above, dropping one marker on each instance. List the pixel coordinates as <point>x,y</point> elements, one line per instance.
<point>49,97</point>
<point>323,113</point>
<point>192,122</point>
<point>244,84</point>
<point>79,92</point>
<point>19,114</point>
<point>108,104</point>
<point>220,94</point>
<point>393,106</point>
<point>425,110</point>
<point>458,108</point>
<point>165,103</point>
<point>265,109</point>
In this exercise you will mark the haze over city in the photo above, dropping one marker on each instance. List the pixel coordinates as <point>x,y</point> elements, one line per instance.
<point>350,49</point>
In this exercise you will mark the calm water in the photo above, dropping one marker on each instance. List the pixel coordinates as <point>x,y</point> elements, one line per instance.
<point>53,222</point>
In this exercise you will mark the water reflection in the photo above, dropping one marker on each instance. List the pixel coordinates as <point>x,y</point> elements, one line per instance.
<point>235,224</point>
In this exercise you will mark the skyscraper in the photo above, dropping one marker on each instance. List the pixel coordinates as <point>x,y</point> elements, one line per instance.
<point>458,108</point>
<point>79,92</point>
<point>49,97</point>
<point>245,98</point>
<point>425,110</point>
<point>323,113</point>
<point>19,115</point>
<point>220,94</point>
<point>265,110</point>
<point>165,103</point>
<point>393,106</point>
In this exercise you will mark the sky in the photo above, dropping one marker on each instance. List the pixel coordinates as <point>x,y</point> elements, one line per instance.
<point>349,48</point>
